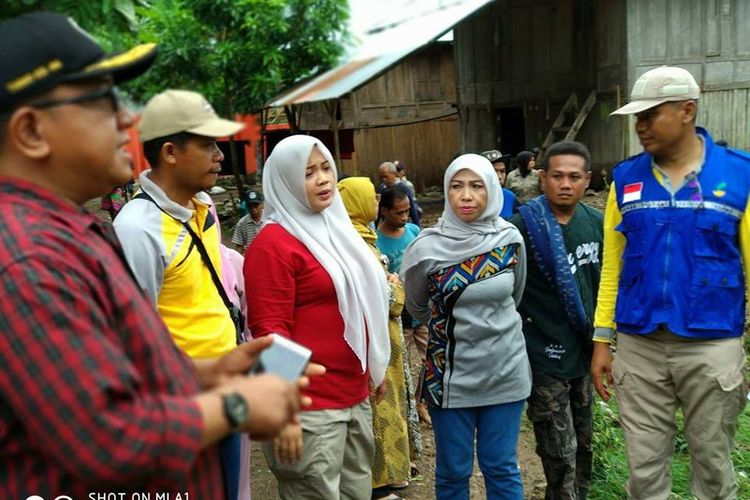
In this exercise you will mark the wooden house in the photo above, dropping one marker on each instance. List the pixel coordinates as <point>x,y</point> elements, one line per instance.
<point>533,71</point>
<point>395,99</point>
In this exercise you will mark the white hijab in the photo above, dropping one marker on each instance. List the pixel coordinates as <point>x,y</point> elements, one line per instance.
<point>452,240</point>
<point>359,280</point>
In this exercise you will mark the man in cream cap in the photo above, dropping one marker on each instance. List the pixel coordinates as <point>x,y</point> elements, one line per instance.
<point>660,85</point>
<point>168,231</point>
<point>674,276</point>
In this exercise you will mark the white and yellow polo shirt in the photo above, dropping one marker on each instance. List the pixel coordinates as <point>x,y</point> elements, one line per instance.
<point>169,267</point>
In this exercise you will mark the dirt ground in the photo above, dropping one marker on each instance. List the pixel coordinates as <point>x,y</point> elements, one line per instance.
<point>264,484</point>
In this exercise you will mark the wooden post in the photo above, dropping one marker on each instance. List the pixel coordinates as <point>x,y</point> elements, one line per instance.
<point>333,107</point>
<point>618,99</point>
<point>260,152</point>
<point>239,175</point>
<point>293,117</point>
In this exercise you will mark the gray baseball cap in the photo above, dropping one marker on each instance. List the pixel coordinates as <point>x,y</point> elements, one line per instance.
<point>660,85</point>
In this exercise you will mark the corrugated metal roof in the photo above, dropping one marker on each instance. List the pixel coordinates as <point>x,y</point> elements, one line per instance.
<point>378,53</point>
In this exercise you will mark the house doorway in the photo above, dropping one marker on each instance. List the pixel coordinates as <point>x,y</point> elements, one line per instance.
<point>510,130</point>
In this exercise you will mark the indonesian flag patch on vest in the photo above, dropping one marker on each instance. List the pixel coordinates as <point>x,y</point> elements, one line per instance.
<point>632,192</point>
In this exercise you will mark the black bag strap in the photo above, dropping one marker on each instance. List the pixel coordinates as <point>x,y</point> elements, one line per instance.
<point>201,250</point>
<point>206,260</point>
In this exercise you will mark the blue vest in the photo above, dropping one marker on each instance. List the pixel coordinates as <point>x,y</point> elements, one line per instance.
<point>682,265</point>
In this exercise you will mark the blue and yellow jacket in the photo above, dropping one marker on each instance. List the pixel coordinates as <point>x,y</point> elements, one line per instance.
<point>677,259</point>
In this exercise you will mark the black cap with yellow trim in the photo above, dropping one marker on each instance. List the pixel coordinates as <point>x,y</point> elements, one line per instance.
<point>45,49</point>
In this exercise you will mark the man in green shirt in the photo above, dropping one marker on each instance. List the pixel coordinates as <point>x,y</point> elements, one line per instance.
<point>563,238</point>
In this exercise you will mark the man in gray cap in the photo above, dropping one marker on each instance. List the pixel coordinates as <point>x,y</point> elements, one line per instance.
<point>676,247</point>
<point>96,398</point>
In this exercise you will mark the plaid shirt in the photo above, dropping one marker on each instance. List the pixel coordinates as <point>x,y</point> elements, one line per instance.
<point>94,395</point>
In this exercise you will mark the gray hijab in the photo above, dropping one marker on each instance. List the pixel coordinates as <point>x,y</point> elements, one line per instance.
<point>452,240</point>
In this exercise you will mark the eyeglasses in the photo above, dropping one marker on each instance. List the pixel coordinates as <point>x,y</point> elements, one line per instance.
<point>110,93</point>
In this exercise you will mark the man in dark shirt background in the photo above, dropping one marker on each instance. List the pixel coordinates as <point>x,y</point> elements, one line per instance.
<point>563,238</point>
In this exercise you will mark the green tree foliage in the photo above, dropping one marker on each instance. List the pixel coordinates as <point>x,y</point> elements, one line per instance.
<point>95,16</point>
<point>239,53</point>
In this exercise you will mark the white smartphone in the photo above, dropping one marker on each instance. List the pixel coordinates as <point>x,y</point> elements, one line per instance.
<point>284,358</point>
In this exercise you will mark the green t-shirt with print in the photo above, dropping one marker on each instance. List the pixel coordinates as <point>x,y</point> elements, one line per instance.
<point>554,347</point>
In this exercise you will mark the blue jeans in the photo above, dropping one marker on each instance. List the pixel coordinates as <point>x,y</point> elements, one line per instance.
<point>230,448</point>
<point>496,428</point>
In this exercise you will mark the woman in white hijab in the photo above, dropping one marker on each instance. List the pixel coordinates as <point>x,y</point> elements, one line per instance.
<point>464,279</point>
<point>310,277</point>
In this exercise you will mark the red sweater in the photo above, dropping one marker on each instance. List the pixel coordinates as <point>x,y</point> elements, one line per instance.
<point>288,292</point>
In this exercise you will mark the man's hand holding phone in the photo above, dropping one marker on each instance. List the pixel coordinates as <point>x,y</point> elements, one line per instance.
<point>283,357</point>
<point>272,388</point>
<point>272,402</point>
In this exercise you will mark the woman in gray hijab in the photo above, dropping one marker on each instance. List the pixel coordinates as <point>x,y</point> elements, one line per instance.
<point>464,279</point>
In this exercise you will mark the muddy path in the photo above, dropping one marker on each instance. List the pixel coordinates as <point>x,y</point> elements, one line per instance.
<point>264,484</point>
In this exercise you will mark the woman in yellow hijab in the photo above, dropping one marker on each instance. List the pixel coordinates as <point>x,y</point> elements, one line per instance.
<point>389,414</point>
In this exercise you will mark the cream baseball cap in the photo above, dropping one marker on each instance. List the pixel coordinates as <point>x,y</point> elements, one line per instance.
<point>660,85</point>
<point>174,111</point>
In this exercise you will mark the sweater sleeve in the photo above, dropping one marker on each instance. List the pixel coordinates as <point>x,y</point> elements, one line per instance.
<point>270,284</point>
<point>745,244</point>
<point>413,210</point>
<point>519,272</point>
<point>417,294</point>
<point>614,247</point>
<point>143,251</point>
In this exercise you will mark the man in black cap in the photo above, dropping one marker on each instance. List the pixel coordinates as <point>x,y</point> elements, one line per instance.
<point>249,225</point>
<point>499,163</point>
<point>96,397</point>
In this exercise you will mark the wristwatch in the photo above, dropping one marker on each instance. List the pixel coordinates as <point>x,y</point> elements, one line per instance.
<point>236,409</point>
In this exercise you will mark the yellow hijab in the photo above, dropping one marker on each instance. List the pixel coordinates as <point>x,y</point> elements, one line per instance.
<point>358,195</point>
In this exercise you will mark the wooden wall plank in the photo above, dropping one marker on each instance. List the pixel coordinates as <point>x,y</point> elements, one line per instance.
<point>425,148</point>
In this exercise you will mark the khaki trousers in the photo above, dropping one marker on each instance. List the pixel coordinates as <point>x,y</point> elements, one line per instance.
<point>657,373</point>
<point>336,463</point>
